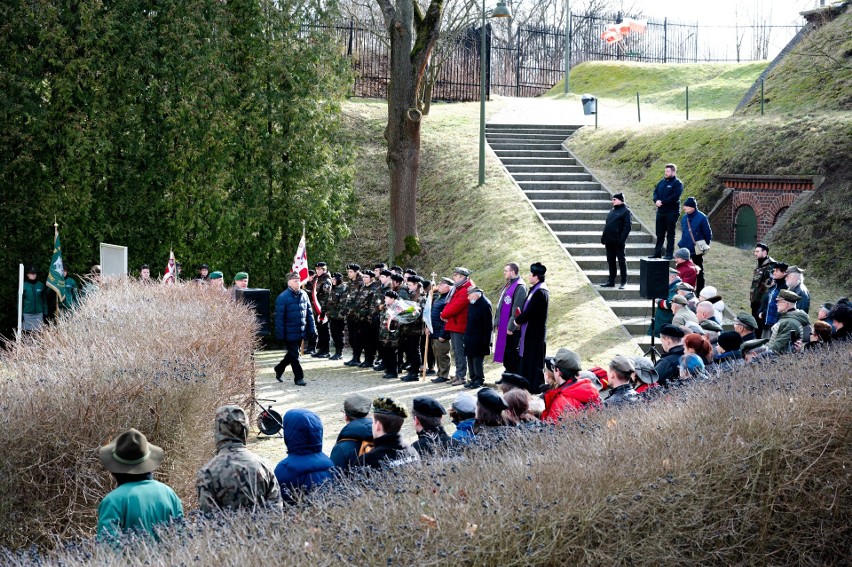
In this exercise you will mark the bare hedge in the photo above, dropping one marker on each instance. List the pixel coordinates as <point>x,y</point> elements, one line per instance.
<point>147,356</point>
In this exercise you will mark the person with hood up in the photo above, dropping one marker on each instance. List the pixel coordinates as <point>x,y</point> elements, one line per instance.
<point>306,467</point>
<point>569,391</point>
<point>235,478</point>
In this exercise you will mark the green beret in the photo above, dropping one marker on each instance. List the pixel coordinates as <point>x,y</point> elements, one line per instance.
<point>241,276</point>
<point>746,320</point>
<point>216,275</point>
<point>749,346</point>
<point>788,296</point>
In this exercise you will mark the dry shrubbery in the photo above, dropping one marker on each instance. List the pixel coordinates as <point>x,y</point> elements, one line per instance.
<point>156,358</point>
<point>753,467</point>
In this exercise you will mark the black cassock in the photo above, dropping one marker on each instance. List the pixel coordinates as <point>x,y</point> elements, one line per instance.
<point>533,322</point>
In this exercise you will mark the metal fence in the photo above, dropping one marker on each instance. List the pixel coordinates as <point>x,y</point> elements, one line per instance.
<point>531,60</point>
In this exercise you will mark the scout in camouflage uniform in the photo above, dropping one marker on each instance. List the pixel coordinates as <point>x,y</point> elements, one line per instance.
<point>235,477</point>
<point>322,285</point>
<point>350,313</point>
<point>389,337</point>
<point>311,339</point>
<point>371,302</point>
<point>336,319</point>
<point>410,332</point>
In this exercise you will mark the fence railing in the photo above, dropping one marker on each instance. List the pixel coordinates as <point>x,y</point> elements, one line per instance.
<point>531,60</point>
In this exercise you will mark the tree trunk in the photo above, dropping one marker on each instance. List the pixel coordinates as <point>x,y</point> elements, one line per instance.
<point>412,37</point>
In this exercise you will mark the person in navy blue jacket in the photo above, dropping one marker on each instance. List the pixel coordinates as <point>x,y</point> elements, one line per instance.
<point>667,200</point>
<point>700,226</point>
<point>293,317</point>
<point>306,467</point>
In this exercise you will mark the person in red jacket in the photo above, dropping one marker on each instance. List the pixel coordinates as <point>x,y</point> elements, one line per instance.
<point>686,270</point>
<point>454,316</point>
<point>569,392</point>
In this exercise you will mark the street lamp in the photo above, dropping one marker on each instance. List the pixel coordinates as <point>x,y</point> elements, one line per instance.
<point>500,11</point>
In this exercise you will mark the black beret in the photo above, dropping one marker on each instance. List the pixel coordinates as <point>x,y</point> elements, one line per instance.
<point>538,269</point>
<point>144,267</point>
<point>203,267</point>
<point>515,380</point>
<point>337,275</point>
<point>380,266</point>
<point>354,267</point>
<point>32,270</point>
<point>396,269</point>
<point>369,274</point>
<point>387,273</point>
<point>410,272</point>
<point>428,407</point>
<point>320,265</point>
<point>672,331</point>
<point>730,341</point>
<point>415,279</point>
<point>397,278</point>
<point>391,293</point>
<point>491,400</point>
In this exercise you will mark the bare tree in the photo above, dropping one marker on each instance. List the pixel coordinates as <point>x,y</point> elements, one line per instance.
<point>412,34</point>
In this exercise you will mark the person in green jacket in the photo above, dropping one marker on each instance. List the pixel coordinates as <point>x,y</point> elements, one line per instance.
<point>71,291</point>
<point>139,503</point>
<point>792,326</point>
<point>34,306</point>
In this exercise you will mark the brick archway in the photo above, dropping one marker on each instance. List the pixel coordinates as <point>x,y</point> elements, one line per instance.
<point>768,196</point>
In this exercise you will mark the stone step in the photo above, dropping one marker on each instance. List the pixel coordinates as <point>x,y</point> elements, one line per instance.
<point>573,214</point>
<point>638,326</point>
<point>551,204</point>
<point>521,136</point>
<point>564,185</point>
<point>532,153</point>
<point>598,263</point>
<point>491,127</point>
<point>592,237</point>
<point>539,161</point>
<point>598,249</point>
<point>533,168</point>
<point>534,146</point>
<point>542,176</point>
<point>629,308</point>
<point>585,224</point>
<point>597,276</point>
<point>615,294</point>
<point>572,192</point>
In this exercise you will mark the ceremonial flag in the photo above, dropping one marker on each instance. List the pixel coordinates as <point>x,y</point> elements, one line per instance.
<point>316,304</point>
<point>170,277</point>
<point>300,261</point>
<point>56,274</point>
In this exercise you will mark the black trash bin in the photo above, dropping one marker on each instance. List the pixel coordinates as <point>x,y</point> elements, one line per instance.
<point>590,104</point>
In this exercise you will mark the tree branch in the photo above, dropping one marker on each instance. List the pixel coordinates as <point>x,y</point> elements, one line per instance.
<point>388,12</point>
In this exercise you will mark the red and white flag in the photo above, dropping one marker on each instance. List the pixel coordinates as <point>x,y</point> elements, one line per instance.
<point>170,277</point>
<point>300,261</point>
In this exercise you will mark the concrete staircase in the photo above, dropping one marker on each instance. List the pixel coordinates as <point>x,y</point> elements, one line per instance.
<point>575,207</point>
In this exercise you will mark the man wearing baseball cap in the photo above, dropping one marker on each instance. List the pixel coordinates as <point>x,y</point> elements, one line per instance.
<point>570,392</point>
<point>139,502</point>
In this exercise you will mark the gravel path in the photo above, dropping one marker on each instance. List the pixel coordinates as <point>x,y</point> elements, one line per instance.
<point>329,382</point>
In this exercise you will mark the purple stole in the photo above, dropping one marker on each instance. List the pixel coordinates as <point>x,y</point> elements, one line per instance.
<point>506,301</point>
<point>524,326</point>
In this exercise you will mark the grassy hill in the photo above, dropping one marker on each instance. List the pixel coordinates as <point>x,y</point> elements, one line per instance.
<point>714,88</point>
<point>816,75</point>
<point>481,228</point>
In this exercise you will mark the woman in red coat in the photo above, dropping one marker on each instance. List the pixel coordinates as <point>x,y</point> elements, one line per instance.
<point>454,316</point>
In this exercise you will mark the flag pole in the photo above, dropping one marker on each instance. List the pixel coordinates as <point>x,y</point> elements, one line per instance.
<point>426,349</point>
<point>55,234</point>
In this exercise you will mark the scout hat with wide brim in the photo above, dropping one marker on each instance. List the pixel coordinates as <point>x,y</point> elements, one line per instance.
<point>130,453</point>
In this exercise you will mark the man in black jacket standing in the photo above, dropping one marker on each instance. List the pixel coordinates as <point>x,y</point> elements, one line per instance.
<point>614,238</point>
<point>667,200</point>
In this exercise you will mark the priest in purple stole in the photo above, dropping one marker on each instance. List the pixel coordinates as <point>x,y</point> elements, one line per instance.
<point>533,323</point>
<point>512,297</point>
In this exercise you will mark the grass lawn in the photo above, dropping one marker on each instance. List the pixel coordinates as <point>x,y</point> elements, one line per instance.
<point>715,89</point>
<point>481,228</point>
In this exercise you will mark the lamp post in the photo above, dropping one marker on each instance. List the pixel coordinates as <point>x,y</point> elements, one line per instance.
<point>500,11</point>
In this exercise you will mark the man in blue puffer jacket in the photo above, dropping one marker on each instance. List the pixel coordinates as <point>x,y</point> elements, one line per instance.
<point>293,316</point>
<point>306,466</point>
<point>695,221</point>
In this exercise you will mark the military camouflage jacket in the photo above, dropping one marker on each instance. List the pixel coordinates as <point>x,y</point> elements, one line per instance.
<point>236,478</point>
<point>353,297</point>
<point>337,301</point>
<point>323,287</point>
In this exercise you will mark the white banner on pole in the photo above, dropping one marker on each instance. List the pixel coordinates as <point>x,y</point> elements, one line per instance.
<point>20,300</point>
<point>113,261</point>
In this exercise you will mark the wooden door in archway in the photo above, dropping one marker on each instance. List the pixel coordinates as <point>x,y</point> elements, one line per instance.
<point>746,228</point>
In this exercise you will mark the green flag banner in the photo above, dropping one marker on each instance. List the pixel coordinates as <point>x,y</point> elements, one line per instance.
<point>56,275</point>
